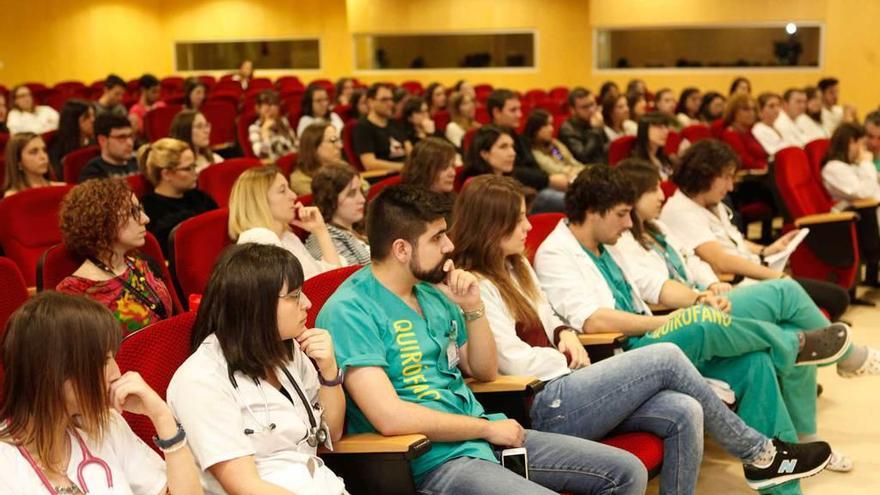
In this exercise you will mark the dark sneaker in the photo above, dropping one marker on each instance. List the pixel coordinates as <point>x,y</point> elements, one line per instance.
<point>825,345</point>
<point>793,461</point>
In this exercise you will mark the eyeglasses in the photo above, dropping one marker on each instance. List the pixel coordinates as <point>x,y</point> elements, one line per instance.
<point>191,168</point>
<point>200,126</point>
<point>136,211</point>
<point>292,295</point>
<point>122,137</point>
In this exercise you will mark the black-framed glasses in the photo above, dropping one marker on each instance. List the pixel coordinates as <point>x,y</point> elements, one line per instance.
<point>191,168</point>
<point>136,211</point>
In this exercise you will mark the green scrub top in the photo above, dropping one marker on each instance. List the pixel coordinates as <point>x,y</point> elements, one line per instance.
<point>371,326</point>
<point>674,264</point>
<point>613,275</point>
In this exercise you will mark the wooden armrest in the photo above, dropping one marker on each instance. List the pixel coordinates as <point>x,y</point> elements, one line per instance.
<point>745,172</point>
<point>372,174</point>
<point>31,291</point>
<point>599,338</point>
<point>374,443</point>
<point>659,309</point>
<point>504,383</point>
<point>726,277</point>
<point>837,216</point>
<point>221,146</point>
<point>864,203</point>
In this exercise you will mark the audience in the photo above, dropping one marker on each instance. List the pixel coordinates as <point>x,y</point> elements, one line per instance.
<point>552,156</point>
<point>194,92</point>
<point>63,394</point>
<point>378,141</point>
<point>811,120</point>
<point>608,88</point>
<point>191,127</point>
<point>794,104</point>
<point>27,164</point>
<point>435,96</point>
<point>254,405</point>
<point>244,74</point>
<point>740,85</point>
<point>339,197</point>
<point>615,115</point>
<point>465,88</point>
<point>416,122</point>
<point>271,136</point>
<point>27,116</point>
<point>149,100</point>
<point>116,140</point>
<point>637,104</point>
<point>110,101</point>
<point>687,111</point>
<point>664,102</point>
<point>76,129</point>
<point>462,112</point>
<point>583,133</point>
<point>711,108</point>
<point>431,165</point>
<point>739,117</point>
<point>696,215</point>
<point>344,90</point>
<point>650,143</point>
<point>492,244</point>
<point>769,106</point>
<point>315,107</point>
<point>103,222</point>
<point>169,165</point>
<point>263,209</point>
<point>319,146</point>
<point>872,136</point>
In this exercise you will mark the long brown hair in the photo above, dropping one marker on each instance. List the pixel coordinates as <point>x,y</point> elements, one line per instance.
<point>311,137</point>
<point>51,339</point>
<point>15,177</point>
<point>643,177</point>
<point>429,157</point>
<point>486,211</point>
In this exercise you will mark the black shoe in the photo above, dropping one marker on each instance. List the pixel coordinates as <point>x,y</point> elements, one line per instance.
<point>824,346</point>
<point>793,461</point>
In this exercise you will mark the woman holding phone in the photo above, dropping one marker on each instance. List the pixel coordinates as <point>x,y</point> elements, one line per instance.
<point>262,209</point>
<point>62,432</point>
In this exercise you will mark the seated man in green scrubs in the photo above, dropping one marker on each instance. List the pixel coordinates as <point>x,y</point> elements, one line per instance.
<point>408,325</point>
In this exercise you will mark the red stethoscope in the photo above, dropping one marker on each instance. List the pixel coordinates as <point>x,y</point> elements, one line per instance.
<point>87,460</point>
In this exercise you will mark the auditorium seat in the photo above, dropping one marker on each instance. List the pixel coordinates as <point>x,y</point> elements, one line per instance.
<point>673,141</point>
<point>481,115</point>
<point>221,114</point>
<point>139,185</point>
<point>195,245</point>
<point>14,293</point>
<point>29,226</point>
<point>482,92</point>
<point>260,84</point>
<point>218,179</point>
<point>286,83</point>
<point>227,86</point>
<point>559,94</point>
<point>413,87</point>
<point>348,146</point>
<point>157,122</point>
<point>816,151</point>
<point>441,120</point>
<point>320,287</point>
<point>620,149</point>
<point>467,140</point>
<point>696,132</point>
<point>208,80</point>
<point>286,164</point>
<point>242,123</point>
<point>542,225</point>
<point>76,160</point>
<point>376,188</point>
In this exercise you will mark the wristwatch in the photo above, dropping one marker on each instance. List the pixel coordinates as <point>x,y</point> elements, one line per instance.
<point>168,444</point>
<point>340,377</point>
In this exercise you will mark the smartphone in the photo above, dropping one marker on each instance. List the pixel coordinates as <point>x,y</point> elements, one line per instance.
<point>517,460</point>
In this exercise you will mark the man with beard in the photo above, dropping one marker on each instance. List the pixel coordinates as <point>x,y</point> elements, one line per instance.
<point>406,327</point>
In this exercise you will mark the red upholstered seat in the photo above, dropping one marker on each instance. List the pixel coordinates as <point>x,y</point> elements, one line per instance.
<point>157,122</point>
<point>542,225</point>
<point>559,94</point>
<point>29,226</point>
<point>468,139</point>
<point>139,185</point>
<point>76,160</point>
<point>620,149</point>
<point>673,141</point>
<point>376,188</point>
<point>13,295</point>
<point>155,351</point>
<point>441,120</point>
<point>221,114</point>
<point>697,132</point>
<point>413,87</point>
<point>287,163</point>
<point>319,288</point>
<point>816,151</point>
<point>241,125</point>
<point>348,145</point>
<point>218,179</point>
<point>646,446</point>
<point>195,245</point>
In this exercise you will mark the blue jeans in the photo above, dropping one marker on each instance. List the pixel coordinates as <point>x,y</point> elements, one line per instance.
<point>548,200</point>
<point>556,463</point>
<point>654,389</point>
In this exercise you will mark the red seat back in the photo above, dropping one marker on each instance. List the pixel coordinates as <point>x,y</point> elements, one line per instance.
<point>559,94</point>
<point>195,246</point>
<point>76,160</point>
<point>157,122</point>
<point>542,225</point>
<point>155,351</point>
<point>139,185</point>
<point>14,292</point>
<point>673,141</point>
<point>288,83</point>
<point>468,139</point>
<point>244,141</point>
<point>376,188</point>
<point>696,132</point>
<point>218,179</point>
<point>716,128</point>
<point>816,151</point>
<point>802,193</point>
<point>29,225</point>
<point>441,120</point>
<point>413,87</point>
<point>348,145</point>
<point>221,114</point>
<point>620,149</point>
<point>319,288</point>
<point>287,163</point>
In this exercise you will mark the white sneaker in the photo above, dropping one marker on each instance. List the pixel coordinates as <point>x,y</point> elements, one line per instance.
<point>871,366</point>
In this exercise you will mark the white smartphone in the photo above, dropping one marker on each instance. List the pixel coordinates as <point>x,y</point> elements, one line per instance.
<point>517,460</point>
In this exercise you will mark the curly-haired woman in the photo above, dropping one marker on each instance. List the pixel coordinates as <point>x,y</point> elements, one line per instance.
<point>102,221</point>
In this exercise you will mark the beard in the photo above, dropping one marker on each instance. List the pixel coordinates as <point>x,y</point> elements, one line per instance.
<point>433,275</point>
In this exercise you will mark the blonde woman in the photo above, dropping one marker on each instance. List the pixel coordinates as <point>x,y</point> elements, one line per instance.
<point>169,164</point>
<point>462,110</point>
<point>262,209</point>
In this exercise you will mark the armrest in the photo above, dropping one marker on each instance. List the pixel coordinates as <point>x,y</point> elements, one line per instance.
<point>819,218</point>
<point>599,338</point>
<point>864,203</point>
<point>506,384</point>
<point>659,309</point>
<point>374,443</point>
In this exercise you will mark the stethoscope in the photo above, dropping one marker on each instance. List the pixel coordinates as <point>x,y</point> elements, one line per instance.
<point>87,459</point>
<point>316,434</point>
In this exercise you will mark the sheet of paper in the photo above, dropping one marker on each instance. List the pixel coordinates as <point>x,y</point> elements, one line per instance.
<point>779,260</point>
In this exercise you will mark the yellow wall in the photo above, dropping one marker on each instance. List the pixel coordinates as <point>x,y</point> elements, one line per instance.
<point>53,40</point>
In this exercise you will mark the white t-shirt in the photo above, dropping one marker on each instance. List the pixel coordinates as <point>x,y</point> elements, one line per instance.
<point>630,128</point>
<point>831,118</point>
<point>42,119</point>
<point>769,138</point>
<point>307,120</point>
<point>136,469</point>
<point>572,281</point>
<point>649,261</point>
<point>455,134</point>
<point>290,242</point>
<point>215,416</point>
<point>516,357</point>
<point>811,129</point>
<point>846,182</point>
<point>695,225</point>
<point>790,132</point>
